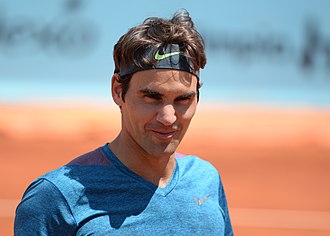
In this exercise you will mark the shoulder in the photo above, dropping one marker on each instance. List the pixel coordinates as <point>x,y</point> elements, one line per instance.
<point>42,192</point>
<point>55,188</point>
<point>195,165</point>
<point>95,157</point>
<point>51,199</point>
<point>46,191</point>
<point>43,208</point>
<point>193,161</point>
<point>86,166</point>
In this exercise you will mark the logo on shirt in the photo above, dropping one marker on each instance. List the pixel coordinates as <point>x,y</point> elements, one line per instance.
<point>200,201</point>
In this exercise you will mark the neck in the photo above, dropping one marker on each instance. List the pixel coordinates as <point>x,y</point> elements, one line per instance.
<point>155,169</point>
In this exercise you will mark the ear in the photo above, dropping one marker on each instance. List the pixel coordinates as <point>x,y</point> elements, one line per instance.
<point>116,90</point>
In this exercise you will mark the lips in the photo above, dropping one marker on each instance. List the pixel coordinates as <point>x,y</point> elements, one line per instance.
<point>164,134</point>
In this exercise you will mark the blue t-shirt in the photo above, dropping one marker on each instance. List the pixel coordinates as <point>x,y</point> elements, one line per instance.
<point>96,194</point>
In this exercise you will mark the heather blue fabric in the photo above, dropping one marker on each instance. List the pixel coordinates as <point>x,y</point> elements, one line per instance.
<point>97,195</point>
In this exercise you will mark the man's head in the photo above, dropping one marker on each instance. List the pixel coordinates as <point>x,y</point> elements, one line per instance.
<point>136,50</point>
<point>156,82</point>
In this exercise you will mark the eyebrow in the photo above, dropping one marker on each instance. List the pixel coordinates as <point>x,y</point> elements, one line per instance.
<point>158,95</point>
<point>151,93</point>
<point>187,95</point>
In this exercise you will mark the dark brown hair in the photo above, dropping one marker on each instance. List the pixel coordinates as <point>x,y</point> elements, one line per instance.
<point>131,47</point>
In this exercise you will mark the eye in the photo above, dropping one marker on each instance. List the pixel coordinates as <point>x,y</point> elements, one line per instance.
<point>151,98</point>
<point>185,100</point>
<point>149,95</point>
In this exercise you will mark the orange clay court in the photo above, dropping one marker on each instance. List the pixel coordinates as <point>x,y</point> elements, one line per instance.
<point>274,162</point>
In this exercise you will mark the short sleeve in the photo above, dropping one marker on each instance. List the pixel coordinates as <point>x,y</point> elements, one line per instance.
<point>224,206</point>
<point>43,211</point>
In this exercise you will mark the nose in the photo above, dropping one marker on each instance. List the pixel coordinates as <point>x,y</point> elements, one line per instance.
<point>166,115</point>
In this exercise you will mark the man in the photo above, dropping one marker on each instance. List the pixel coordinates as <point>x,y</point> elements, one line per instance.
<point>137,184</point>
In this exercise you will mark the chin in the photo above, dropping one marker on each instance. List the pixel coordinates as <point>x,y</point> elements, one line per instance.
<point>163,149</point>
<point>169,149</point>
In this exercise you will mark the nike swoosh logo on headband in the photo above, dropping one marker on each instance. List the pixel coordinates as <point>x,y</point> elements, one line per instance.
<point>159,57</point>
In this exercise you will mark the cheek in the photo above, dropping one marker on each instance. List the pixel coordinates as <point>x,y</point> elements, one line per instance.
<point>140,113</point>
<point>188,113</point>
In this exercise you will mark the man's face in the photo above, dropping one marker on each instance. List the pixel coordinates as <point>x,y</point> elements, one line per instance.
<point>157,111</point>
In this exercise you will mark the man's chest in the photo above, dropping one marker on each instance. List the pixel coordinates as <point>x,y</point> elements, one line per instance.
<point>162,216</point>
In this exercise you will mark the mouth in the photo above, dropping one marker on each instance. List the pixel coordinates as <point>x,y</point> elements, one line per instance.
<point>164,134</point>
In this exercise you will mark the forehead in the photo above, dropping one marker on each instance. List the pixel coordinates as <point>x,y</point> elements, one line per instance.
<point>163,79</point>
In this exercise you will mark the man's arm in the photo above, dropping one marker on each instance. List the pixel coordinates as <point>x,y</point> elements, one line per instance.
<point>43,211</point>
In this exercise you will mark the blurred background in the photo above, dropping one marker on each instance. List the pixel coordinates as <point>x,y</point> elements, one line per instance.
<point>263,119</point>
